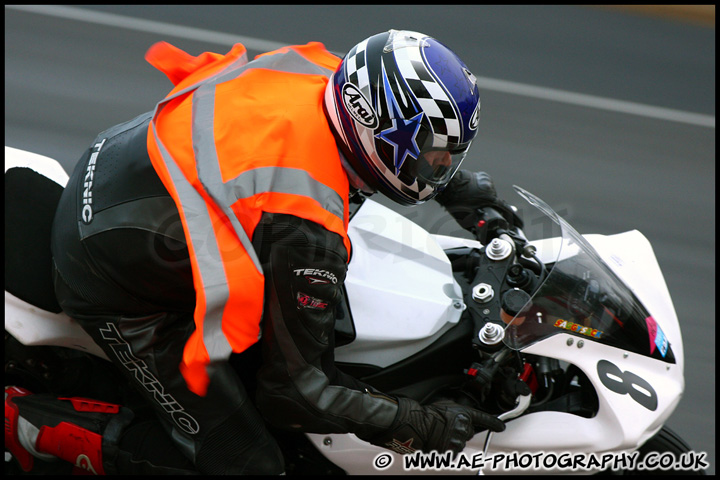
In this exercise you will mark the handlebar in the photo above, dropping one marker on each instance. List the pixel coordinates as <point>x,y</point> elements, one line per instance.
<point>490,223</point>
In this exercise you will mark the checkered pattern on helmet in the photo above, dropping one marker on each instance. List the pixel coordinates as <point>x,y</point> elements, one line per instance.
<point>357,73</point>
<point>356,68</point>
<point>433,99</point>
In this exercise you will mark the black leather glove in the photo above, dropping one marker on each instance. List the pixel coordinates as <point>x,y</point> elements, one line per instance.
<point>440,426</point>
<point>469,191</point>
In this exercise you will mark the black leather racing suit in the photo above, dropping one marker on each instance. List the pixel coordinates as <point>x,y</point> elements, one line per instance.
<point>122,269</point>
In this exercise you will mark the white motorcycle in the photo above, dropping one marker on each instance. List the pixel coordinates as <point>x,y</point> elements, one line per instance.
<point>572,340</point>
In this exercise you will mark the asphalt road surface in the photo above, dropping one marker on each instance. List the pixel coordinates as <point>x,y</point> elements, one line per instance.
<point>607,116</point>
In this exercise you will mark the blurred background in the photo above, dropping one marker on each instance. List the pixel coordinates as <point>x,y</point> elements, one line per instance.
<point>607,113</point>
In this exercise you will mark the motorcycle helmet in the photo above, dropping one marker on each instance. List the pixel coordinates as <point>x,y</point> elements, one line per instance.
<point>404,109</point>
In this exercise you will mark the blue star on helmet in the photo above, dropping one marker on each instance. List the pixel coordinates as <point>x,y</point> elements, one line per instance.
<point>402,136</point>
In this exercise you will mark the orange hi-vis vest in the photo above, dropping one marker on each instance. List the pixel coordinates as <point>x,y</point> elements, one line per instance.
<point>233,140</point>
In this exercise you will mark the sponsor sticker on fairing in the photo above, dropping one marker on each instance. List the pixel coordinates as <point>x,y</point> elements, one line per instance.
<point>577,328</point>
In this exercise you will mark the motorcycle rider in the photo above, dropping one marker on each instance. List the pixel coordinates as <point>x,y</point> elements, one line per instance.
<point>220,219</point>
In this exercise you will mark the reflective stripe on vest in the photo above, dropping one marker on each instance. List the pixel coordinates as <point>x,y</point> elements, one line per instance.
<point>227,274</point>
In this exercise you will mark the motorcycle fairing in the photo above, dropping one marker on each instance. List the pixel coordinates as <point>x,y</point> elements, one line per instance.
<point>628,412</point>
<point>400,287</point>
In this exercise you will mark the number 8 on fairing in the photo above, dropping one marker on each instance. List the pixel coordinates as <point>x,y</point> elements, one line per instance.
<point>627,383</point>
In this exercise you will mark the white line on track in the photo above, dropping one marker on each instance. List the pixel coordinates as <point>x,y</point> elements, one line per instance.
<point>191,33</point>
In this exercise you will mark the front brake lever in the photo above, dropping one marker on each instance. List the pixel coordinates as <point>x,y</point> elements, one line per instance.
<point>523,402</point>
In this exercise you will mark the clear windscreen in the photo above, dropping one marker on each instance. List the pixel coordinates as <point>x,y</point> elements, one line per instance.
<point>583,297</point>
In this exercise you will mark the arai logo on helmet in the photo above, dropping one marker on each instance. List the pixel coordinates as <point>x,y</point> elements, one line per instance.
<point>475,119</point>
<point>359,106</point>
